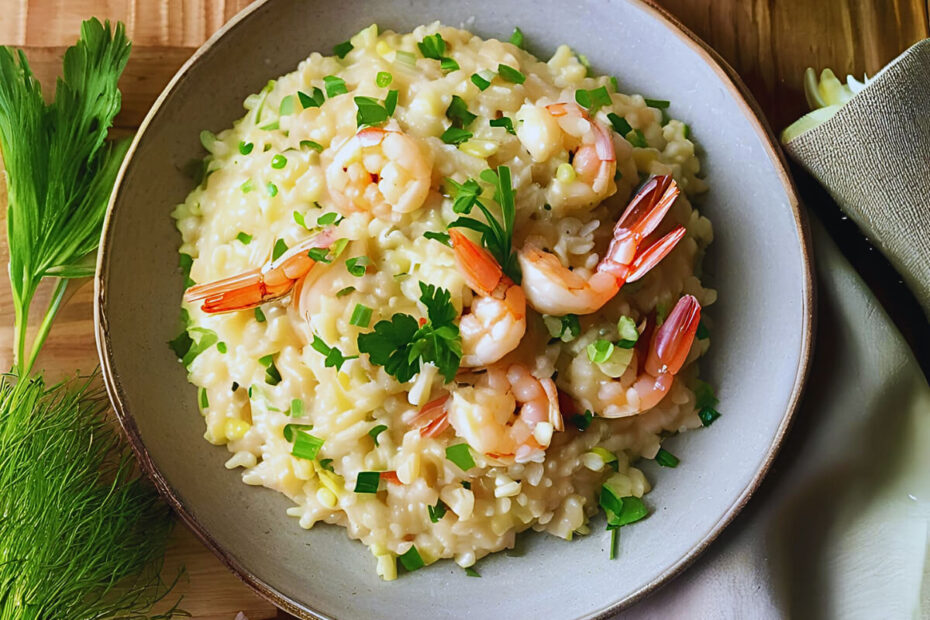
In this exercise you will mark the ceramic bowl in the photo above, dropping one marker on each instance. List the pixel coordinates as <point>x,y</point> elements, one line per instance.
<point>762,336</point>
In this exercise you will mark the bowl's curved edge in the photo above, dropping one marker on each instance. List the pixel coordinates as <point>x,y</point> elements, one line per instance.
<point>742,94</point>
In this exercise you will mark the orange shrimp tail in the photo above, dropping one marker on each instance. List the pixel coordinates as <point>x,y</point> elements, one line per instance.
<point>650,256</point>
<point>481,271</point>
<point>243,288</point>
<point>642,216</point>
<point>672,342</point>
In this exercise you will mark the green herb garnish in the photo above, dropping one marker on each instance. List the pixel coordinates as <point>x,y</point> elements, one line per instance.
<point>245,148</point>
<point>582,421</point>
<point>411,560</point>
<point>221,347</point>
<point>479,81</point>
<point>271,188</point>
<point>600,351</point>
<point>259,315</point>
<point>471,572</point>
<point>297,408</point>
<point>357,265</point>
<point>342,49</point>
<point>620,124</point>
<point>517,37</point>
<point>306,446</point>
<point>329,219</point>
<point>441,237</point>
<point>310,144</point>
<point>510,74</point>
<point>314,100</point>
<point>345,291</point>
<point>374,432</point>
<point>383,79</point>
<point>594,99</point>
<point>626,327</point>
<point>666,458</point>
<point>327,464</point>
<point>702,332</point>
<point>204,401</point>
<point>436,512</point>
<point>278,161</point>
<point>280,247</point>
<point>454,135</point>
<point>334,86</point>
<point>565,328</point>
<point>334,357</point>
<point>244,238</point>
<point>448,64</point>
<point>458,113</point>
<point>247,186</point>
<point>390,102</point>
<point>705,403</point>
<point>287,105</point>
<point>361,316</point>
<point>290,430</point>
<point>319,255</point>
<point>657,103</point>
<point>272,126</point>
<point>367,482</point>
<point>461,456</point>
<point>434,46</point>
<point>272,376</point>
<point>504,122</point>
<point>370,112</point>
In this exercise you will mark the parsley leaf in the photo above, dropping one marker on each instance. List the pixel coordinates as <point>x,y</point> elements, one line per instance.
<point>334,357</point>
<point>370,112</point>
<point>458,113</point>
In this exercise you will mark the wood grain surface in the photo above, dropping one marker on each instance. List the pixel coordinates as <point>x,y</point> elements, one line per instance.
<point>768,42</point>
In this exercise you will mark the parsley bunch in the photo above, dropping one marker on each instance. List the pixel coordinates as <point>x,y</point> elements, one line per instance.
<point>401,344</point>
<point>496,235</point>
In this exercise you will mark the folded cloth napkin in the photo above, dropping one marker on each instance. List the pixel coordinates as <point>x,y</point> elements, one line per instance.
<point>873,156</point>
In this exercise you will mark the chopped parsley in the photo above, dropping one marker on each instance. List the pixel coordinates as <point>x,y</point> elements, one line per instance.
<point>504,122</point>
<point>401,344</point>
<point>342,49</point>
<point>458,113</point>
<point>411,560</point>
<point>479,81</point>
<point>272,376</point>
<point>280,247</point>
<point>334,357</point>
<point>334,86</point>
<point>461,456</point>
<point>383,79</point>
<point>259,315</point>
<point>314,100</point>
<point>517,37</point>
<point>244,238</point>
<point>245,148</point>
<point>441,237</point>
<point>436,512</point>
<point>373,433</point>
<point>666,458</point>
<point>361,316</point>
<point>594,99</point>
<point>306,446</point>
<point>371,113</point>
<point>454,135</point>
<point>434,47</point>
<point>367,482</point>
<point>357,265</point>
<point>510,74</point>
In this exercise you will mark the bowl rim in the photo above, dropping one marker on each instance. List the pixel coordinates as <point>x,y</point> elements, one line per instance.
<point>743,97</point>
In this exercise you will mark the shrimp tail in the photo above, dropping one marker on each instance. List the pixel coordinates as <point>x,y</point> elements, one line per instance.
<point>672,341</point>
<point>642,216</point>
<point>650,256</point>
<point>481,271</point>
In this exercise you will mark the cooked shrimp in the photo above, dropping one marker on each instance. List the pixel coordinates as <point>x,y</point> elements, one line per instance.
<point>381,171</point>
<point>567,126</point>
<point>496,321</point>
<point>551,288</point>
<point>668,349</point>
<point>508,414</point>
<point>252,288</point>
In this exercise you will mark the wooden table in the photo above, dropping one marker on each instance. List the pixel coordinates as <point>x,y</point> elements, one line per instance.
<point>769,43</point>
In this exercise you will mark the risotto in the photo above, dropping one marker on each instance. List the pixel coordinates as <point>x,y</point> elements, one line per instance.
<point>441,292</point>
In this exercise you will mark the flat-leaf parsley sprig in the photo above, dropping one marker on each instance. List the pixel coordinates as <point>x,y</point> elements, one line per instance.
<point>496,235</point>
<point>402,343</point>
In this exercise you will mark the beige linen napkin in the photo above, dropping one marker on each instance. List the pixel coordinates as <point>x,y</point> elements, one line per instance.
<point>873,156</point>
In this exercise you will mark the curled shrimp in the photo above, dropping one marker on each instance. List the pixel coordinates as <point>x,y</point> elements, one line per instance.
<point>252,288</point>
<point>568,126</point>
<point>381,171</point>
<point>508,414</point>
<point>496,321</point>
<point>551,288</point>
<point>644,386</point>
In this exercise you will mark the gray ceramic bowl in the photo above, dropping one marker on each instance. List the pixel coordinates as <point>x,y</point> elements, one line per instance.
<point>759,262</point>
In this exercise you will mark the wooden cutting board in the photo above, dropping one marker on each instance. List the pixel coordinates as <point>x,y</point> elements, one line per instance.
<point>768,43</point>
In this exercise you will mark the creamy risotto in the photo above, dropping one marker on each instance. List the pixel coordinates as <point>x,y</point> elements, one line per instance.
<point>442,292</point>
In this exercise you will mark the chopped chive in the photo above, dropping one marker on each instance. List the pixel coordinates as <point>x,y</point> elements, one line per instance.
<point>411,560</point>
<point>448,64</point>
<point>600,351</point>
<point>310,144</point>
<point>471,572</point>
<point>454,135</point>
<point>584,63</point>
<point>311,101</point>
<point>361,316</point>
<point>405,58</point>
<point>461,456</point>
<point>327,219</point>
<point>370,112</point>
<point>458,113</point>
<point>271,188</point>
<point>479,81</point>
<point>272,376</point>
<point>593,99</point>
<point>620,124</point>
<point>334,86</point>
<point>390,102</point>
<point>614,535</point>
<point>626,327</point>
<point>504,122</point>
<point>383,79</point>
<point>247,186</point>
<point>582,421</point>
<point>637,139</point>
<point>510,74</point>
<point>221,347</point>
<point>280,247</point>
<point>565,328</point>
<point>272,126</point>
<point>297,408</point>
<point>356,265</point>
<point>517,37</point>
<point>290,430</point>
<point>432,46</point>
<point>342,49</point>
<point>441,237</point>
<point>287,106</point>
<point>244,238</point>
<point>436,512</point>
<point>204,401</point>
<point>338,246</point>
<point>657,103</point>
<point>702,332</point>
<point>367,482</point>
<point>666,458</point>
<point>613,82</point>
<point>306,446</point>
<point>245,148</point>
<point>373,433</point>
<point>185,262</point>
<point>278,161</point>
<point>266,148</point>
<point>327,464</point>
<point>259,315</point>
<point>687,132</point>
<point>708,415</point>
<point>320,255</point>
<point>345,291</point>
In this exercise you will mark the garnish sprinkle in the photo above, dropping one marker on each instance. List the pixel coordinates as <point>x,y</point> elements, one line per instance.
<point>504,122</point>
<point>411,560</point>
<point>361,316</point>
<point>334,86</point>
<point>374,432</point>
<point>461,456</point>
<point>510,74</point>
<point>367,481</point>
<point>342,49</point>
<point>306,446</point>
<point>334,357</point>
<point>357,265</point>
<point>666,459</point>
<point>244,238</point>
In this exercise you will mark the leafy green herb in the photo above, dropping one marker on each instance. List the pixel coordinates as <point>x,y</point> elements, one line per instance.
<point>637,139</point>
<point>334,357</point>
<point>244,238</point>
<point>434,47</point>
<point>357,265</point>
<point>584,63</point>
<point>329,219</point>
<point>621,510</point>
<point>204,401</point>
<point>300,219</point>
<point>245,148</point>
<point>287,105</point>
<point>338,246</point>
<point>614,84</point>
<point>370,112</point>
<point>411,559</point>
<point>438,236</point>
<point>626,327</point>
<point>342,49</point>
<point>313,100</point>
<point>345,291</point>
<point>400,344</point>
<point>320,255</point>
<point>327,464</point>
<point>565,328</point>
<point>280,247</point>
<point>657,103</point>
<point>290,430</point>
<point>297,408</point>
<point>200,339</point>
<point>510,74</point>
<point>272,126</point>
<point>390,102</point>
<point>221,347</point>
<point>497,236</point>
<point>517,37</point>
<point>461,456</point>
<point>620,124</point>
<point>272,376</point>
<point>247,186</point>
<point>448,64</point>
<point>458,113</point>
<point>306,446</point>
<point>334,86</point>
<point>479,81</point>
<point>367,482</point>
<point>436,512</point>
<point>582,421</point>
<point>600,351</point>
<point>471,572</point>
<point>504,122</point>
<point>454,135</point>
<point>310,144</point>
<point>374,432</point>
<point>666,458</point>
<point>278,161</point>
<point>383,79</point>
<point>594,99</point>
<point>185,262</point>
<point>361,316</point>
<point>259,315</point>
<point>271,188</point>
